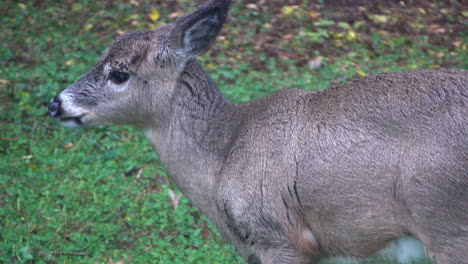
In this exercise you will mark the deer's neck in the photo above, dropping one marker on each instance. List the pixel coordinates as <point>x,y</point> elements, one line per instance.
<point>194,143</point>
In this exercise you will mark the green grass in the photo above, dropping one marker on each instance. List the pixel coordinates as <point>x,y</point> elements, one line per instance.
<point>100,195</point>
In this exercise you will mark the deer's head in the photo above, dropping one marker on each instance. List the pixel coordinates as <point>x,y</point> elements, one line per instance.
<point>135,78</point>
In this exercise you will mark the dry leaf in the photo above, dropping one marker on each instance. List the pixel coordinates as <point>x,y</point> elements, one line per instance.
<point>379,19</point>
<point>174,199</point>
<point>206,232</point>
<point>314,15</point>
<point>436,28</point>
<point>457,43</point>
<point>175,15</point>
<point>314,64</point>
<point>252,6</point>
<point>118,262</point>
<point>69,145</point>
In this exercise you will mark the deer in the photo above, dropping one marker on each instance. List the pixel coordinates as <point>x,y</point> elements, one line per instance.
<point>295,176</point>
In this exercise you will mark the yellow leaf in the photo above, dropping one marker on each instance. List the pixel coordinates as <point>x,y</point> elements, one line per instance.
<point>380,19</point>
<point>351,35</point>
<point>287,10</point>
<point>154,14</point>
<point>22,6</point>
<point>88,27</point>
<point>361,73</point>
<point>422,11</point>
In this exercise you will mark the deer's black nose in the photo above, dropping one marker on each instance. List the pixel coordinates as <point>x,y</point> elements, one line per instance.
<point>54,107</point>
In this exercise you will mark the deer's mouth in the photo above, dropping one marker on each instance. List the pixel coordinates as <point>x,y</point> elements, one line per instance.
<point>72,122</point>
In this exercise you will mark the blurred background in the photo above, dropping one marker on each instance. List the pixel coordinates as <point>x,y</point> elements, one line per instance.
<point>100,195</point>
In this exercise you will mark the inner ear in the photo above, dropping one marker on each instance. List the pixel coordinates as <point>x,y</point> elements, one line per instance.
<point>197,38</point>
<point>195,32</point>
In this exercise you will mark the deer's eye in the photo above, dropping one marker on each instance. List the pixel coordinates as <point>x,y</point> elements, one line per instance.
<point>119,77</point>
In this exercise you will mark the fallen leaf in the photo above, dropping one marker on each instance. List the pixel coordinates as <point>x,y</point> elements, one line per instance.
<point>379,19</point>
<point>134,170</point>
<point>154,14</point>
<point>174,199</point>
<point>361,73</point>
<point>351,35</point>
<point>252,6</point>
<point>314,64</point>
<point>457,43</point>
<point>362,9</point>
<point>287,10</point>
<point>27,157</point>
<point>314,15</point>
<point>344,25</point>
<point>206,232</point>
<point>286,55</point>
<point>175,14</point>
<point>436,28</point>
<point>118,262</point>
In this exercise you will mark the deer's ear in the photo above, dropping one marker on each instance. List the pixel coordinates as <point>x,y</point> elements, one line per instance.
<point>196,31</point>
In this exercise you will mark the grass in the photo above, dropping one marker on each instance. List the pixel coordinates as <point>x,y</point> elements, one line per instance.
<point>100,195</point>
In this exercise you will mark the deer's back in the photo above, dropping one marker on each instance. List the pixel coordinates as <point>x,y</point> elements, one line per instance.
<point>387,107</point>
